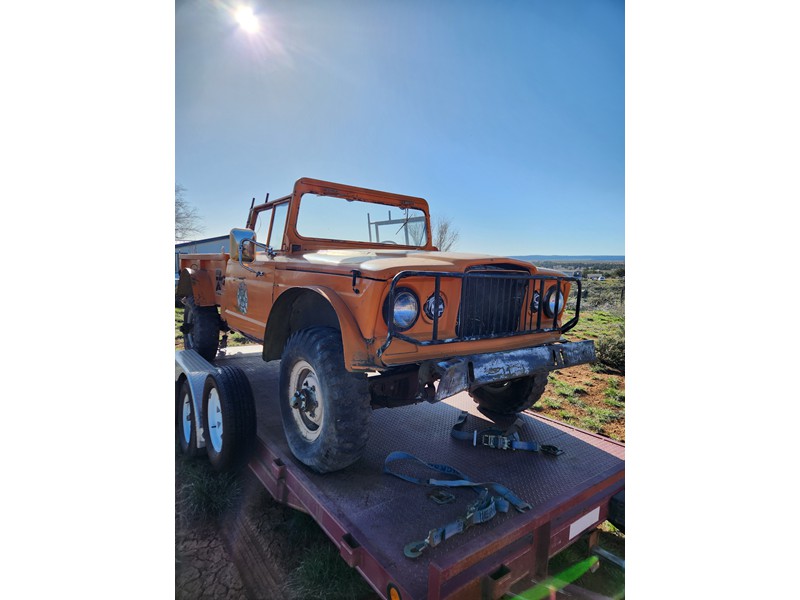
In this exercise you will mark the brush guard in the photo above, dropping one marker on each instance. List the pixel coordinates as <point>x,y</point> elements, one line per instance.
<point>493,304</point>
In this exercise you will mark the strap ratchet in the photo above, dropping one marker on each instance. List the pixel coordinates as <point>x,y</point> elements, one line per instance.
<point>501,440</point>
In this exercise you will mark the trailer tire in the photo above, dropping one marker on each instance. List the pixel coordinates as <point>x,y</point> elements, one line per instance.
<point>201,327</point>
<point>185,425</point>
<point>229,418</point>
<point>330,431</point>
<point>511,397</point>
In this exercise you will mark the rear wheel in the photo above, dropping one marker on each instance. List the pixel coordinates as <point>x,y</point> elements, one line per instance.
<point>512,396</point>
<point>229,419</point>
<point>201,326</point>
<point>325,409</point>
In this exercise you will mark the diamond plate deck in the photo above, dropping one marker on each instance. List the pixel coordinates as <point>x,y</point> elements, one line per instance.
<point>383,513</point>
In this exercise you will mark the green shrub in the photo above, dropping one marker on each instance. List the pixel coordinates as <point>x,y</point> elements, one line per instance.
<point>610,350</point>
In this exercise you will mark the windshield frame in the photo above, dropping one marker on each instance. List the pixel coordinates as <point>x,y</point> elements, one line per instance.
<point>311,186</point>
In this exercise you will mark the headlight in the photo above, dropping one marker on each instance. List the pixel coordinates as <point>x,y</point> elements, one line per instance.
<point>428,307</point>
<point>406,309</point>
<point>553,302</point>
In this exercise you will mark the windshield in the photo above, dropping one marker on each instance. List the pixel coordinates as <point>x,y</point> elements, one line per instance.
<point>327,217</point>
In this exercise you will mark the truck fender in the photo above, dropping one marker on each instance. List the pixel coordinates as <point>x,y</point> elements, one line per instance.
<point>328,310</point>
<point>196,283</point>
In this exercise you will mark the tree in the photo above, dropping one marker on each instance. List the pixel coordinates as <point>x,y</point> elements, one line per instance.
<point>445,235</point>
<point>187,219</point>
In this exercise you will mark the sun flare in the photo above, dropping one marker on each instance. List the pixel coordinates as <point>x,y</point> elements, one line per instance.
<point>247,19</point>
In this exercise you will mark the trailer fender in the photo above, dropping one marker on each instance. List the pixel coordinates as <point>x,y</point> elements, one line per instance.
<point>196,283</point>
<point>313,306</point>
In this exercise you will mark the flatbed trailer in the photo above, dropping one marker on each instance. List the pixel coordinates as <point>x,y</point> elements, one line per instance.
<point>371,516</point>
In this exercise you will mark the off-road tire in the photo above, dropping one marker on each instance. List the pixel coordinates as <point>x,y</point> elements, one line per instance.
<point>512,396</point>
<point>184,416</point>
<point>229,418</point>
<point>201,327</point>
<point>343,401</point>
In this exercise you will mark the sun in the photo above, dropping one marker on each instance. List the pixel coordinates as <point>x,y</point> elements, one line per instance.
<point>247,19</point>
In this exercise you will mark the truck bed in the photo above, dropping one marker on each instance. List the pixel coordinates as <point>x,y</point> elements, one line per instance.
<point>371,516</point>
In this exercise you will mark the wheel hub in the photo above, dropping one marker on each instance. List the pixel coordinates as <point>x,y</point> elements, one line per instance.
<point>305,399</point>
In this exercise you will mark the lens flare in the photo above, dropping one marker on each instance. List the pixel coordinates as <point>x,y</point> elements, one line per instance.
<point>247,19</point>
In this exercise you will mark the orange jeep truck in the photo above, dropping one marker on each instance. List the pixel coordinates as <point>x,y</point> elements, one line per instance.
<point>349,292</point>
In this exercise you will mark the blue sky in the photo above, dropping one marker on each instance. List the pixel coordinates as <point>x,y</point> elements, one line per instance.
<point>508,118</point>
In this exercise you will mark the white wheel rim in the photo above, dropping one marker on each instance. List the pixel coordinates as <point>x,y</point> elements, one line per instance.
<point>187,418</point>
<point>303,376</point>
<point>215,420</point>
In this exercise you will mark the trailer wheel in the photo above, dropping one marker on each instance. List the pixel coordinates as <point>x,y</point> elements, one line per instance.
<point>229,418</point>
<point>185,426</point>
<point>511,397</point>
<point>201,326</point>
<point>325,409</point>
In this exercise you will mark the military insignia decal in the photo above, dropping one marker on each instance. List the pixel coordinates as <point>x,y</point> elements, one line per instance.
<point>241,298</point>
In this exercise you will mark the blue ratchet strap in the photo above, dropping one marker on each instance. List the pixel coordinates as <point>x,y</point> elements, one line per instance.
<point>482,510</point>
<point>496,438</point>
<point>465,481</point>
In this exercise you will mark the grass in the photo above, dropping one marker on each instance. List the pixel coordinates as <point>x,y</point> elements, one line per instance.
<point>613,395</point>
<point>323,575</point>
<point>550,402</point>
<point>568,391</point>
<point>597,323</point>
<point>204,495</point>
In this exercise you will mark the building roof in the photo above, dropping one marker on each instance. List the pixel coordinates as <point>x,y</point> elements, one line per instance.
<point>218,238</point>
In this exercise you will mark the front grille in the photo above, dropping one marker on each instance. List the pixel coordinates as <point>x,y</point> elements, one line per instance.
<point>490,305</point>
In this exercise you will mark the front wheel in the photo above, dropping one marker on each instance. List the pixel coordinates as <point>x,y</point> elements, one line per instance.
<point>325,409</point>
<point>510,397</point>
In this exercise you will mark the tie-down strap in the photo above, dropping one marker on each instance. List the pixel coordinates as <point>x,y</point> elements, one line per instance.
<point>494,437</point>
<point>480,511</point>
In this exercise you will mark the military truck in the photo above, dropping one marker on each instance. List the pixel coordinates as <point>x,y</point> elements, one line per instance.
<point>349,292</point>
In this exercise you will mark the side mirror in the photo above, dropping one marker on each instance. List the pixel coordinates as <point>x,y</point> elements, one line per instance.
<point>248,236</point>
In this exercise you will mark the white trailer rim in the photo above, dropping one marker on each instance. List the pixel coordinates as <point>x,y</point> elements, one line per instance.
<point>303,376</point>
<point>187,417</point>
<point>215,420</point>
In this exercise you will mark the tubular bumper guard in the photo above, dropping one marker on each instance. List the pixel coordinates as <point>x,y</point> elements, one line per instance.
<point>468,372</point>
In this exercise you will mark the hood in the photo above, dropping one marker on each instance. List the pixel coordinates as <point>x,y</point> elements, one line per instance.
<point>384,264</point>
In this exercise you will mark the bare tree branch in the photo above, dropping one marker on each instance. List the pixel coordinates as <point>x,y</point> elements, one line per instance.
<point>445,235</point>
<point>187,219</point>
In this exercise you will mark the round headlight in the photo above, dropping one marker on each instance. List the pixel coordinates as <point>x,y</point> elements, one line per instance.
<point>553,302</point>
<point>429,305</point>
<point>406,309</point>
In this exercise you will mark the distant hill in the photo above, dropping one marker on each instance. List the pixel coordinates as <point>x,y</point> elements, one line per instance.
<point>568,258</point>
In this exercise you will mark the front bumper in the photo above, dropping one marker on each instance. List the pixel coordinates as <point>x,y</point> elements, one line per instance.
<point>465,373</point>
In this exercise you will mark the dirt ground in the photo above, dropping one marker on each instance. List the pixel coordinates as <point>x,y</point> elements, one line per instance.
<point>203,568</point>
<point>592,387</point>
